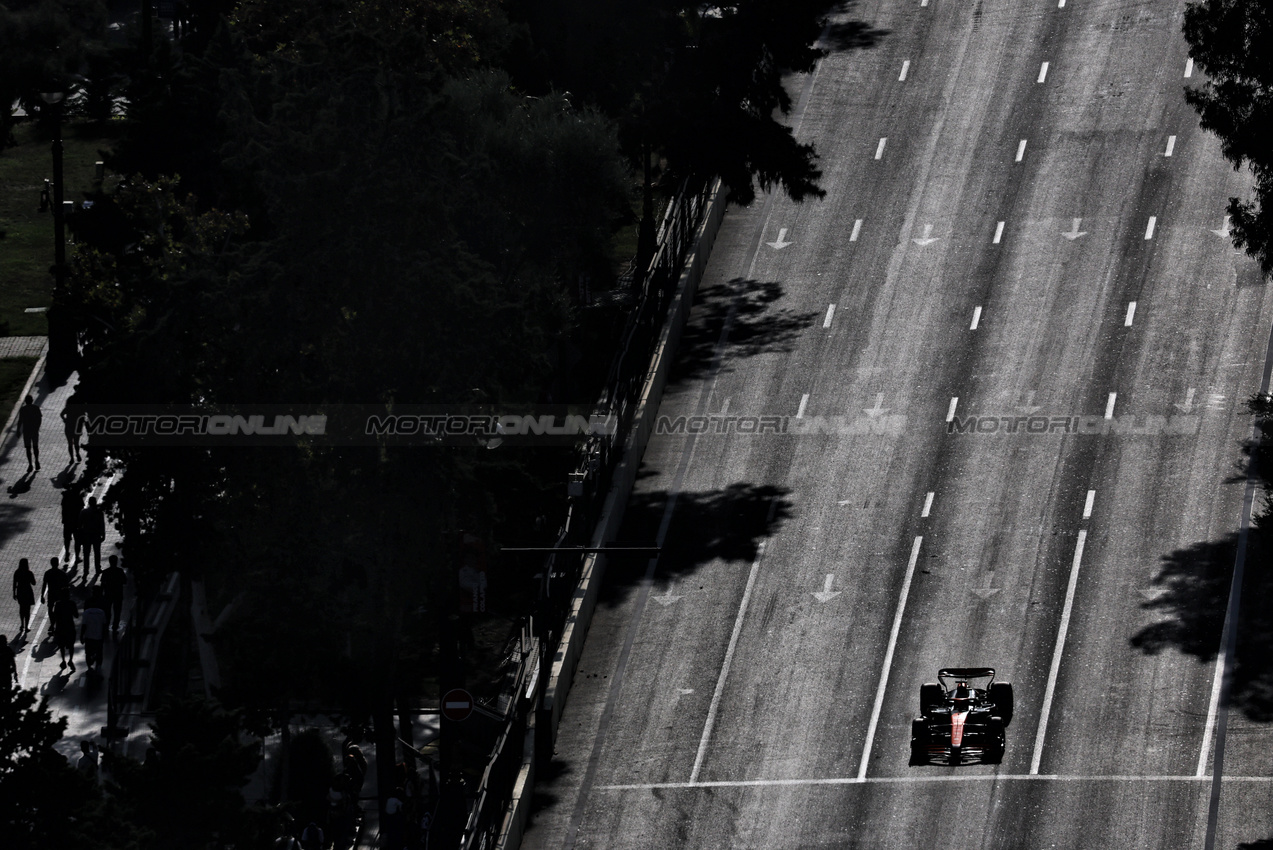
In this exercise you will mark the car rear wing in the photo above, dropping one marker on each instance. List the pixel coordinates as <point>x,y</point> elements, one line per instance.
<point>965,672</point>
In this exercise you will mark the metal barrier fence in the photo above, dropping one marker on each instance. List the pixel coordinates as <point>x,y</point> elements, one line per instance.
<point>587,485</point>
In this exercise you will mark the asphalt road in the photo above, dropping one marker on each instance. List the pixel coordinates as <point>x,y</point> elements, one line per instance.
<point>1008,354</point>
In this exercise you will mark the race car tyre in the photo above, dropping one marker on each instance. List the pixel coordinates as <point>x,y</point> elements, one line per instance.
<point>919,740</point>
<point>931,695</point>
<point>995,740</point>
<point>1001,695</point>
<point>955,755</point>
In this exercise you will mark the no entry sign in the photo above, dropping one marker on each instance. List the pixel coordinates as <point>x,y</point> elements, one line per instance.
<point>457,704</point>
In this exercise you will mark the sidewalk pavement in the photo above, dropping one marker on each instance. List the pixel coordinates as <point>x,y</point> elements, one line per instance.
<point>31,528</point>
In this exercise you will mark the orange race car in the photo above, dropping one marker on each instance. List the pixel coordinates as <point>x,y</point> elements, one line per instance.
<point>963,717</point>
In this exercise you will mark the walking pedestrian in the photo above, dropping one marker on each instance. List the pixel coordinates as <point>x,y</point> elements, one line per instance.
<point>24,592</point>
<point>114,580</point>
<point>9,662</point>
<point>93,631</point>
<point>29,417</point>
<point>92,527</point>
<point>72,504</point>
<point>63,616</point>
<point>55,585</point>
<point>71,425</point>
<point>88,761</point>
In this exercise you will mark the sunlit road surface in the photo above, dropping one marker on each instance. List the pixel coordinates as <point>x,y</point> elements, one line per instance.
<point>982,405</point>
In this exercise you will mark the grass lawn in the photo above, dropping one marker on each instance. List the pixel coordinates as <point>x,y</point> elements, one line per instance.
<point>14,372</point>
<point>26,234</point>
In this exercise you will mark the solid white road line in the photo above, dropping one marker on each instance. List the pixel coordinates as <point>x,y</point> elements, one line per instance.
<point>1056,654</point>
<point>1087,506</point>
<point>1171,145</point>
<point>1149,228</point>
<point>1109,406</point>
<point>950,412</point>
<point>879,150</point>
<point>906,66</point>
<point>998,233</point>
<point>976,318</point>
<point>1043,72</point>
<point>1131,312</point>
<point>1189,67</point>
<point>1021,150</point>
<point>804,399</point>
<point>729,655</point>
<point>918,779</point>
<point>928,505</point>
<point>826,323</point>
<point>888,657</point>
<point>857,228</point>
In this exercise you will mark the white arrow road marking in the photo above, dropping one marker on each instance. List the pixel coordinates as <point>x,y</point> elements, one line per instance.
<point>927,238</point>
<point>1171,145</point>
<point>1188,405</point>
<point>984,593</point>
<point>1021,150</point>
<point>1074,232</point>
<point>1223,232</point>
<point>826,323</point>
<point>826,594</point>
<point>879,150</point>
<point>667,598</point>
<point>782,240</point>
<point>1087,506</point>
<point>857,228</point>
<point>1149,228</point>
<point>878,409</point>
<point>1109,406</point>
<point>998,233</point>
<point>928,505</point>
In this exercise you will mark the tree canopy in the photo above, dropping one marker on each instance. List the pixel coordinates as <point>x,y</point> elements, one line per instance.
<point>1229,40</point>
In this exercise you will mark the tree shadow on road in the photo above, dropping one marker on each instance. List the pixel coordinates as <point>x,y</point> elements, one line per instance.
<point>1195,584</point>
<point>842,35</point>
<point>755,328</point>
<point>726,525</point>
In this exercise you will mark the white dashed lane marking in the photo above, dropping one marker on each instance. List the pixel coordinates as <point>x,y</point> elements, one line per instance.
<point>879,150</point>
<point>1171,145</point>
<point>1021,150</point>
<point>998,233</point>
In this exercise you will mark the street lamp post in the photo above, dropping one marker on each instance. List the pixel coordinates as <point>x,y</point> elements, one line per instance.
<point>61,337</point>
<point>54,99</point>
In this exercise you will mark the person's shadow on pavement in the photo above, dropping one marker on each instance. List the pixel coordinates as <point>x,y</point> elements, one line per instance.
<point>44,649</point>
<point>22,485</point>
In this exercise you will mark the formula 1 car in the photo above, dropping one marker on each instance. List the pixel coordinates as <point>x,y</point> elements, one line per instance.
<point>962,717</point>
